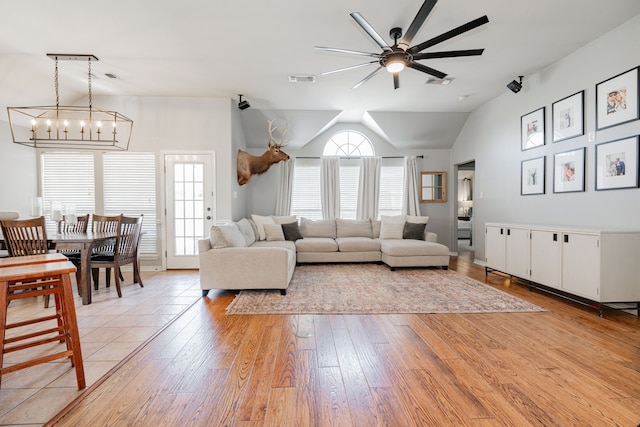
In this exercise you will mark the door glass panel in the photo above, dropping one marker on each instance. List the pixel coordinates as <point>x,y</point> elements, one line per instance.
<point>189,215</point>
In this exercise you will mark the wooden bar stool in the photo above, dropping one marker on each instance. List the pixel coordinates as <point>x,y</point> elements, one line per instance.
<point>17,282</point>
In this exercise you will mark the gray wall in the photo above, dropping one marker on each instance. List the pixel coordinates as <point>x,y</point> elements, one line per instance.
<point>491,136</point>
<point>18,173</point>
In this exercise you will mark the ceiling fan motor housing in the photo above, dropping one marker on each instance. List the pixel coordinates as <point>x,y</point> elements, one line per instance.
<point>397,55</point>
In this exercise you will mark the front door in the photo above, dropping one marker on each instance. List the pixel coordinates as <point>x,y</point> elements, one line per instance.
<point>189,206</point>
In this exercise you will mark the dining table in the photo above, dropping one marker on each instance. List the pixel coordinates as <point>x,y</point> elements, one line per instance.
<point>84,242</point>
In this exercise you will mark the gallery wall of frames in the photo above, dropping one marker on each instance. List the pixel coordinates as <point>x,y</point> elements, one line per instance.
<point>616,161</point>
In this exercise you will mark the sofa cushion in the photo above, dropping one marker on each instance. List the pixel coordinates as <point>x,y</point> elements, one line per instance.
<point>357,244</point>
<point>275,244</point>
<point>316,244</point>
<point>273,232</point>
<point>375,228</point>
<point>353,228</point>
<point>223,236</point>
<point>318,228</point>
<point>413,231</point>
<point>291,231</point>
<point>245,227</point>
<point>410,247</point>
<point>392,226</point>
<point>260,221</point>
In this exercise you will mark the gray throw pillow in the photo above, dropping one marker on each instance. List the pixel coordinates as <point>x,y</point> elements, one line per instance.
<point>291,231</point>
<point>413,231</point>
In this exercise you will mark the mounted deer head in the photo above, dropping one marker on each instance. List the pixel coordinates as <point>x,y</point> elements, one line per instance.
<point>249,165</point>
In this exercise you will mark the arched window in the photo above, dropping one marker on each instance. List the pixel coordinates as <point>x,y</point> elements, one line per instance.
<point>348,143</point>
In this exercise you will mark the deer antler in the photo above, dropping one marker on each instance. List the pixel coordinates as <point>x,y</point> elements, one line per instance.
<point>271,139</point>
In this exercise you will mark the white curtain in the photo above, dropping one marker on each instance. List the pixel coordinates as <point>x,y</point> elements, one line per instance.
<point>285,190</point>
<point>369,188</point>
<point>411,196</point>
<point>330,187</point>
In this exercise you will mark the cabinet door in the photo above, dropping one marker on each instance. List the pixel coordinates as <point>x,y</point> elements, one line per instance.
<point>495,247</point>
<point>581,264</point>
<point>518,252</point>
<point>545,257</point>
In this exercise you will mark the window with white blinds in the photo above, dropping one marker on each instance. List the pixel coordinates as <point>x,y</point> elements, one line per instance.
<point>391,187</point>
<point>349,182</point>
<point>126,185</point>
<point>305,197</point>
<point>67,178</point>
<point>129,187</point>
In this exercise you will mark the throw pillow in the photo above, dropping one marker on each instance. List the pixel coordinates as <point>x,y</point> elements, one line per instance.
<point>223,236</point>
<point>273,232</point>
<point>284,219</point>
<point>413,231</point>
<point>417,219</point>
<point>247,231</point>
<point>392,226</point>
<point>260,221</point>
<point>375,228</point>
<point>291,231</point>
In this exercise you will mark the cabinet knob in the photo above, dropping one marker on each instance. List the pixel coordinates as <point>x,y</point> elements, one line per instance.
<point>555,237</point>
<point>566,238</point>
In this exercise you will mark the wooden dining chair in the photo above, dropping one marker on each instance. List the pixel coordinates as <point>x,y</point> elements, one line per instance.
<point>81,226</point>
<point>107,224</point>
<point>124,252</point>
<point>24,237</point>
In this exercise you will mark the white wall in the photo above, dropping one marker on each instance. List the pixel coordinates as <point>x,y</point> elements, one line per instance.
<point>491,136</point>
<point>18,173</point>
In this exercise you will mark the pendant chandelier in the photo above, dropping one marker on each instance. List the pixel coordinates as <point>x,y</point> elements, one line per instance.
<point>70,127</point>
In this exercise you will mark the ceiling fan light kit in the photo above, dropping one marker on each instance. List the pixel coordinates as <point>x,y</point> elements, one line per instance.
<point>400,56</point>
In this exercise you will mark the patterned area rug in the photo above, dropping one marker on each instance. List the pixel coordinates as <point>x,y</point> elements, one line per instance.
<point>374,289</point>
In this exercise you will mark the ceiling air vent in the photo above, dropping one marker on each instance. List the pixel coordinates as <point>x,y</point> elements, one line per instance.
<point>301,79</point>
<point>111,75</point>
<point>434,81</point>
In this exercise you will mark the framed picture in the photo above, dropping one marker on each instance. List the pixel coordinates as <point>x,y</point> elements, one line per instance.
<point>568,117</point>
<point>532,176</point>
<point>532,129</point>
<point>617,100</point>
<point>617,164</point>
<point>568,171</point>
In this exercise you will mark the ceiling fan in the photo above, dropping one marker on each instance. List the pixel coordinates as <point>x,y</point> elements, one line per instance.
<point>399,56</point>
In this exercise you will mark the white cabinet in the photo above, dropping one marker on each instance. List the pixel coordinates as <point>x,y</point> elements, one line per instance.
<point>545,259</point>
<point>598,265</point>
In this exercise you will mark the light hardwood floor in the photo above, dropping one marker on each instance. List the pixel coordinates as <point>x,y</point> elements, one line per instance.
<point>565,367</point>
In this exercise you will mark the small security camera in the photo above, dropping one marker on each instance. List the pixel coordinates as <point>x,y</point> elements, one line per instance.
<point>243,105</point>
<point>515,86</point>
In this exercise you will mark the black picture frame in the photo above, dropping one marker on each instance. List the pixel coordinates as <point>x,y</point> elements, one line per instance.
<point>568,117</point>
<point>617,164</point>
<point>569,171</point>
<point>532,176</point>
<point>617,99</point>
<point>532,129</point>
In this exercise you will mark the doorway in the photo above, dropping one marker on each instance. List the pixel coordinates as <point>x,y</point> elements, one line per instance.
<point>189,206</point>
<point>464,210</point>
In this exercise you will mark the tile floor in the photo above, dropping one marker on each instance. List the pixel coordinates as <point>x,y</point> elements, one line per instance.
<point>110,329</point>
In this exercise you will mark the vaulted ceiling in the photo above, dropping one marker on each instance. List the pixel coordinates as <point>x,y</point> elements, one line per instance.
<point>205,48</point>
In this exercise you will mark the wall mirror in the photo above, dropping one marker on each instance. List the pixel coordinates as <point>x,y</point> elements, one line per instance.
<point>433,186</point>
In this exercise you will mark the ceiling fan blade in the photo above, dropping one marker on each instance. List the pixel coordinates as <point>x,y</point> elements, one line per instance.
<point>448,54</point>
<point>366,79</point>
<point>396,80</point>
<point>348,51</point>
<point>369,30</point>
<point>428,70</point>
<point>353,67</point>
<point>419,19</point>
<point>449,34</point>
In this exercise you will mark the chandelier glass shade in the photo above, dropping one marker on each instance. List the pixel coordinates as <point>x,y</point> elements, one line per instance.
<point>70,127</point>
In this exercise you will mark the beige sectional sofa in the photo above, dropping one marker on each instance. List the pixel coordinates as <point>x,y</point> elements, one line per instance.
<point>262,253</point>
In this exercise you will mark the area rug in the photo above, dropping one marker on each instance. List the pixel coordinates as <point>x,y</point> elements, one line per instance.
<point>375,289</point>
